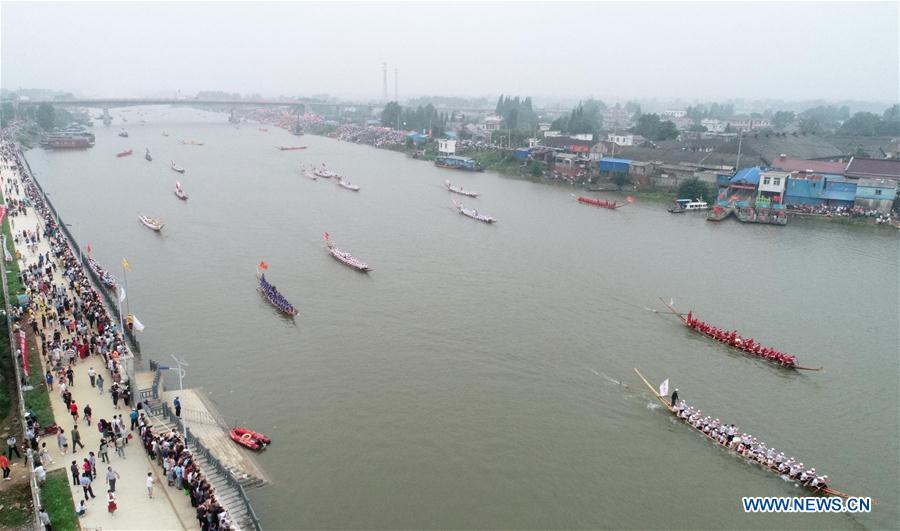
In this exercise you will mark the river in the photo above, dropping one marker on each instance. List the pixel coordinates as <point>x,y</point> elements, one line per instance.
<point>472,379</point>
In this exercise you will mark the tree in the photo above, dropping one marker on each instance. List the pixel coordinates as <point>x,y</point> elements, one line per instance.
<point>45,117</point>
<point>861,124</point>
<point>7,114</point>
<point>697,128</point>
<point>781,118</point>
<point>859,152</point>
<point>810,125</point>
<point>890,121</point>
<point>634,108</point>
<point>666,131</point>
<point>694,188</point>
<point>390,116</point>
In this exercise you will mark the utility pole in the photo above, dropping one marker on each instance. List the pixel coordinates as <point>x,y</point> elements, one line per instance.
<point>384,92</point>
<point>396,87</point>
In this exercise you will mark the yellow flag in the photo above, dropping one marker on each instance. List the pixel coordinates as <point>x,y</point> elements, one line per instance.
<point>125,264</point>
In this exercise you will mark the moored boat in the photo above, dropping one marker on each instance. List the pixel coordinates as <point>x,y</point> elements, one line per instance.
<point>108,280</point>
<point>472,213</point>
<point>249,438</point>
<point>272,295</point>
<point>344,257</point>
<point>125,153</point>
<point>757,455</point>
<point>346,184</point>
<point>289,148</point>
<point>459,190</point>
<point>731,338</point>
<point>123,133</point>
<point>191,143</point>
<point>177,168</point>
<point>179,192</point>
<point>151,223</point>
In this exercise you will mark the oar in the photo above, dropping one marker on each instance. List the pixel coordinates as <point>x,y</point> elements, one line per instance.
<point>799,368</point>
<point>671,309</point>
<point>655,392</point>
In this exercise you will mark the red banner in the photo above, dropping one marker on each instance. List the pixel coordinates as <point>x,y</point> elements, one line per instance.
<point>2,213</point>
<point>24,348</point>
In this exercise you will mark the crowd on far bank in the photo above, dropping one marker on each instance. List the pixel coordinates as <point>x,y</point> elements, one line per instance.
<point>371,135</point>
<point>853,212</point>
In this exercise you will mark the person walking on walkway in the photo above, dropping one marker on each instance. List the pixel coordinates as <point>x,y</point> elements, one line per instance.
<point>76,439</point>
<point>134,418</point>
<point>92,374</point>
<point>120,446</point>
<point>177,407</point>
<point>111,477</point>
<point>111,502</point>
<point>104,449</point>
<point>114,390</point>
<point>93,460</point>
<point>11,447</point>
<point>150,482</point>
<point>73,410</point>
<point>100,383</point>
<point>49,379</point>
<point>62,442</point>
<point>4,465</point>
<point>74,469</point>
<point>85,481</point>
<point>87,412</point>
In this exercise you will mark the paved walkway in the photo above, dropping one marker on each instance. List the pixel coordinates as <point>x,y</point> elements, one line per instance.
<point>168,509</point>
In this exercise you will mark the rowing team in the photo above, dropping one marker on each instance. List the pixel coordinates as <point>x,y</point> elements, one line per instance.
<point>276,297</point>
<point>749,447</point>
<point>733,339</point>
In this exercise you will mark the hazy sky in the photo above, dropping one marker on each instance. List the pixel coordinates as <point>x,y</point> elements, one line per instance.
<point>687,50</point>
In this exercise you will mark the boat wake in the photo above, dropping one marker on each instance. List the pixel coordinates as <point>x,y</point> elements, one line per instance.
<point>651,405</point>
<point>607,378</point>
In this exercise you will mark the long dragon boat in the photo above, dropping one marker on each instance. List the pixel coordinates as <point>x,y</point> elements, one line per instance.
<point>823,489</point>
<point>272,295</point>
<point>734,340</point>
<point>344,257</point>
<point>603,203</point>
<point>472,213</point>
<point>108,280</point>
<point>459,189</point>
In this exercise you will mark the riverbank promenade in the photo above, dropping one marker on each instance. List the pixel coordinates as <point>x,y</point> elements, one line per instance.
<point>168,508</point>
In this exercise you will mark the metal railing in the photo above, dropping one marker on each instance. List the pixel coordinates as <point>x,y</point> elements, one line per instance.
<point>111,302</point>
<point>215,463</point>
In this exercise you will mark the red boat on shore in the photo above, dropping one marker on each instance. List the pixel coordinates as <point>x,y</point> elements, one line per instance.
<point>603,203</point>
<point>734,340</point>
<point>124,153</point>
<point>250,439</point>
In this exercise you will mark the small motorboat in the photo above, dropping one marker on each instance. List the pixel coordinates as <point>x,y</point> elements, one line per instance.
<point>459,190</point>
<point>179,192</point>
<point>123,133</point>
<point>347,185</point>
<point>191,143</point>
<point>472,213</point>
<point>289,148</point>
<point>147,155</point>
<point>177,168</point>
<point>250,439</point>
<point>151,223</point>
<point>165,133</point>
<point>124,153</point>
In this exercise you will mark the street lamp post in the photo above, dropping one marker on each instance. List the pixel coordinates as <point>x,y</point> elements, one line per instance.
<point>181,372</point>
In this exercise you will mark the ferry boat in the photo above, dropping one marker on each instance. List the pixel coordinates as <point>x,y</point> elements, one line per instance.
<point>344,257</point>
<point>151,223</point>
<point>455,162</point>
<point>472,213</point>
<point>346,184</point>
<point>67,142</point>
<point>459,190</point>
<point>124,153</point>
<point>179,192</point>
<point>685,205</point>
<point>147,155</point>
<point>177,168</point>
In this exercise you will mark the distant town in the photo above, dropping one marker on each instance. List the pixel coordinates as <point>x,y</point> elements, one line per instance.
<point>759,166</point>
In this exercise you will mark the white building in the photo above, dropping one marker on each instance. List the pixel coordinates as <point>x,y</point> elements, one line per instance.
<point>713,125</point>
<point>674,114</point>
<point>773,181</point>
<point>446,146</point>
<point>589,137</point>
<point>492,122</point>
<point>623,139</point>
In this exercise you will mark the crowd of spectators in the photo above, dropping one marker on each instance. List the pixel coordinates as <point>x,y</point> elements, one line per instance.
<point>854,212</point>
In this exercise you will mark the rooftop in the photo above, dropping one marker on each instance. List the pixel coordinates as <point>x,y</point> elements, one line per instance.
<point>810,166</point>
<point>874,168</point>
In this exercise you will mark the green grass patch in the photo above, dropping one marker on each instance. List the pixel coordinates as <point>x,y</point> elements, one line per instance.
<point>16,503</point>
<point>57,500</point>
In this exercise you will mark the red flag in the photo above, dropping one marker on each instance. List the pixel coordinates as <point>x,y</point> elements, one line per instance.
<point>87,248</point>
<point>327,236</point>
<point>630,199</point>
<point>24,348</point>
<point>263,265</point>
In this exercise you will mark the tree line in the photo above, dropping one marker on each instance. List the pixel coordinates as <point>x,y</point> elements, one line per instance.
<point>421,118</point>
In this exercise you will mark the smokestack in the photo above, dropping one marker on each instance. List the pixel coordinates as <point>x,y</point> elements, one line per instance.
<point>384,92</point>
<point>396,89</point>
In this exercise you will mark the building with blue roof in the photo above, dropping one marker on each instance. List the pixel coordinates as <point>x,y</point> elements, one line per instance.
<point>609,166</point>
